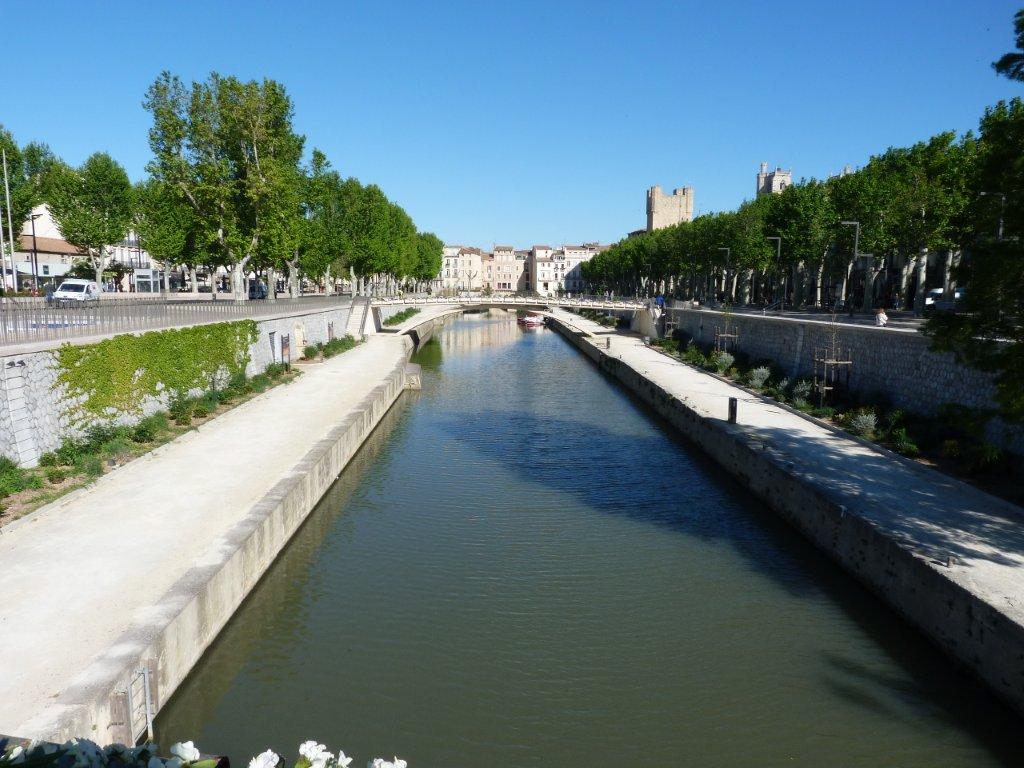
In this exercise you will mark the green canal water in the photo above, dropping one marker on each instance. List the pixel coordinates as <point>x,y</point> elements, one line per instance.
<point>522,568</point>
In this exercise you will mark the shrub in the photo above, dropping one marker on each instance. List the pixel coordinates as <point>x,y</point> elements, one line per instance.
<point>862,422</point>
<point>723,361</point>
<point>14,479</point>
<point>338,345</point>
<point>802,390</point>
<point>276,370</point>
<point>238,384</point>
<point>758,377</point>
<point>825,412</point>
<point>89,464</point>
<point>950,449</point>
<point>982,456</point>
<point>903,443</point>
<point>310,352</point>
<point>70,452</point>
<point>259,382</point>
<point>117,448</point>
<point>694,356</point>
<point>181,410</point>
<point>56,475</point>
<point>147,430</point>
<point>49,459</point>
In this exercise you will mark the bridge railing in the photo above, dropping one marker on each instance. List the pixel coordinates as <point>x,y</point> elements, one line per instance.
<point>596,302</point>
<point>35,320</point>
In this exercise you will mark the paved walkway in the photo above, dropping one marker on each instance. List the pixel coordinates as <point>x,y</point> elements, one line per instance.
<point>932,514</point>
<point>77,574</point>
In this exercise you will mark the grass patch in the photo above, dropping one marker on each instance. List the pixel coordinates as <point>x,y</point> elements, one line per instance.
<point>400,317</point>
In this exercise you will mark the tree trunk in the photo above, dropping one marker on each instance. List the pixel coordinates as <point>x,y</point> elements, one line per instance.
<point>293,276</point>
<point>922,279</point>
<point>327,282</point>
<point>271,284</point>
<point>818,277</point>
<point>947,272</point>
<point>193,276</point>
<point>238,280</point>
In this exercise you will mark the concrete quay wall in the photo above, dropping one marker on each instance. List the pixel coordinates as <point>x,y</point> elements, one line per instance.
<point>36,414</point>
<point>959,620</point>
<point>191,614</point>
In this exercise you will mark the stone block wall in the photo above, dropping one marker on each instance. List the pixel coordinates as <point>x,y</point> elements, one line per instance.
<point>37,415</point>
<point>900,365</point>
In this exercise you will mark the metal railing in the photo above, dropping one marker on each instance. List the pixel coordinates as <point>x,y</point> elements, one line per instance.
<point>596,302</point>
<point>37,320</point>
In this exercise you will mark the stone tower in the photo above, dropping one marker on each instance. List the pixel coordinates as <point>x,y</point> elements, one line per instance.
<point>773,182</point>
<point>665,210</point>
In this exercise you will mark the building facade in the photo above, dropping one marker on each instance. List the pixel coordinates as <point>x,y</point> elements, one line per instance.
<point>773,182</point>
<point>542,269</point>
<point>461,269</point>
<point>666,210</point>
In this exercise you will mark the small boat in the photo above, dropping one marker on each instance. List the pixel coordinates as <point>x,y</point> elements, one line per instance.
<point>531,321</point>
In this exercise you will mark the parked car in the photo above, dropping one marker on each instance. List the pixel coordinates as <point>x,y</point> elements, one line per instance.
<point>937,300</point>
<point>74,290</point>
<point>257,290</point>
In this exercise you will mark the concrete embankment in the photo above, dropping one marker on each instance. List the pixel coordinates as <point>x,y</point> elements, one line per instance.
<point>143,569</point>
<point>945,556</point>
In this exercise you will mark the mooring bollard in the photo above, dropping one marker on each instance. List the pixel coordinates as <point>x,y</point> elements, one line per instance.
<point>733,405</point>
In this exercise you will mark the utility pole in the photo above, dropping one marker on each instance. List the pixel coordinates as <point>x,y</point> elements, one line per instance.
<point>10,226</point>
<point>35,252</point>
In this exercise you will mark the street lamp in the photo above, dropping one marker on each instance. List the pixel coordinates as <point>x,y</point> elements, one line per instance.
<point>778,265</point>
<point>35,253</point>
<point>1002,209</point>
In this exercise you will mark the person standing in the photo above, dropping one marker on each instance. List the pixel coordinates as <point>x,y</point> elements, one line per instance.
<point>881,319</point>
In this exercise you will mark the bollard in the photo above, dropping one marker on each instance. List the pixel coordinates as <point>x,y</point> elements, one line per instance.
<point>608,342</point>
<point>733,404</point>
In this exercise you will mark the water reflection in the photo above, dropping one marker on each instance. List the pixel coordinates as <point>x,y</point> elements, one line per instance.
<point>528,571</point>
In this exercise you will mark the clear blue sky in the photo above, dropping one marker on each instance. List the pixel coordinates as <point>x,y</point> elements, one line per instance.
<point>527,123</point>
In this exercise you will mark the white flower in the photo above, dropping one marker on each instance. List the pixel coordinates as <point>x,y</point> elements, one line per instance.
<point>86,753</point>
<point>380,762</point>
<point>268,759</point>
<point>342,760</point>
<point>311,750</point>
<point>186,751</point>
<point>17,755</point>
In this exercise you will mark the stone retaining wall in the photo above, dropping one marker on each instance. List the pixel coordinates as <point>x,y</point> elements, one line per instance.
<point>898,366</point>
<point>36,415</point>
<point>190,616</point>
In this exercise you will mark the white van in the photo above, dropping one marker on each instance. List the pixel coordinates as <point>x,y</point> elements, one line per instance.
<point>77,290</point>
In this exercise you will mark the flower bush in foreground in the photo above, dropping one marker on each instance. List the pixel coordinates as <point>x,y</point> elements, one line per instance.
<point>82,753</point>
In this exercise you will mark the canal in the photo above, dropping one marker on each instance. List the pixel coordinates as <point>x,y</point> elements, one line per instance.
<point>522,568</point>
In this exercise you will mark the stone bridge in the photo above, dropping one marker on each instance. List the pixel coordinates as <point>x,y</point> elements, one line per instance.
<point>644,318</point>
<point>519,302</point>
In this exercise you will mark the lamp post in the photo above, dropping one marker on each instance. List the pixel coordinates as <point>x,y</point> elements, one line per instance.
<point>778,266</point>
<point>1002,210</point>
<point>35,253</point>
